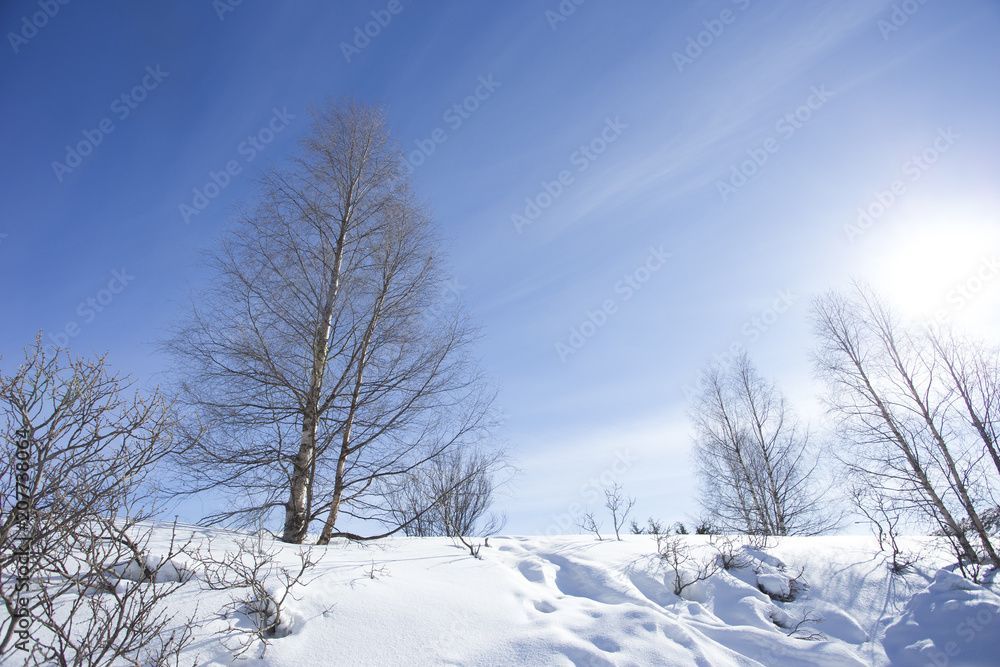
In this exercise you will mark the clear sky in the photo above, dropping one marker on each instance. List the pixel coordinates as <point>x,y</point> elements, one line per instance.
<point>664,179</point>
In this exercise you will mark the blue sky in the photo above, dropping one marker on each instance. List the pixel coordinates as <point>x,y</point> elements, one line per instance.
<point>741,138</point>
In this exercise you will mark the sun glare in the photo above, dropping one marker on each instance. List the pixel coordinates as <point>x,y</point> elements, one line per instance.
<point>946,271</point>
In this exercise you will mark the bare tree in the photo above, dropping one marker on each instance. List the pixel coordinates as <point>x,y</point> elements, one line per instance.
<point>899,414</point>
<point>309,358</point>
<point>77,499</point>
<point>620,504</point>
<point>973,374</point>
<point>757,472</point>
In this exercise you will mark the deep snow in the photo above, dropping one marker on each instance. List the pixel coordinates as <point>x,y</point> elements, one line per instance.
<point>573,600</point>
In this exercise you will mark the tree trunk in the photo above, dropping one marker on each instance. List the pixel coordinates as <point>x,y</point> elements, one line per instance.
<point>345,445</point>
<point>298,510</point>
<point>918,470</point>
<point>957,482</point>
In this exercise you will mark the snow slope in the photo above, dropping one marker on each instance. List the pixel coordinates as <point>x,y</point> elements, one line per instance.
<point>575,601</point>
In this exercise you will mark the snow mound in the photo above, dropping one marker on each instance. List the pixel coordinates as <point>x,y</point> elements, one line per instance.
<point>952,622</point>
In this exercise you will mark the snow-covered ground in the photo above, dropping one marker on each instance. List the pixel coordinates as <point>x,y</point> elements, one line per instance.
<point>573,600</point>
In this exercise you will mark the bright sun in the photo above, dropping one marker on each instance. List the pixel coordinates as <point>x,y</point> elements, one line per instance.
<point>943,271</point>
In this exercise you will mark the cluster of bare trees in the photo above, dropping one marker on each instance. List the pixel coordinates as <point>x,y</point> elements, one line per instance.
<point>322,388</point>
<point>757,470</point>
<point>917,419</point>
<point>451,495</point>
<point>312,383</point>
<point>918,411</point>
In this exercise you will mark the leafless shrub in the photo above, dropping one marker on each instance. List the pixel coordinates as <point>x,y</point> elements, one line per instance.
<point>452,495</point>
<point>258,585</point>
<point>376,572</point>
<point>731,554</point>
<point>687,569</point>
<point>589,524</point>
<point>759,541</point>
<point>884,518</point>
<point>796,586</point>
<point>798,631</point>
<point>76,516</point>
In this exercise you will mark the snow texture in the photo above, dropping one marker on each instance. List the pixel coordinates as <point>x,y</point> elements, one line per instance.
<point>572,600</point>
